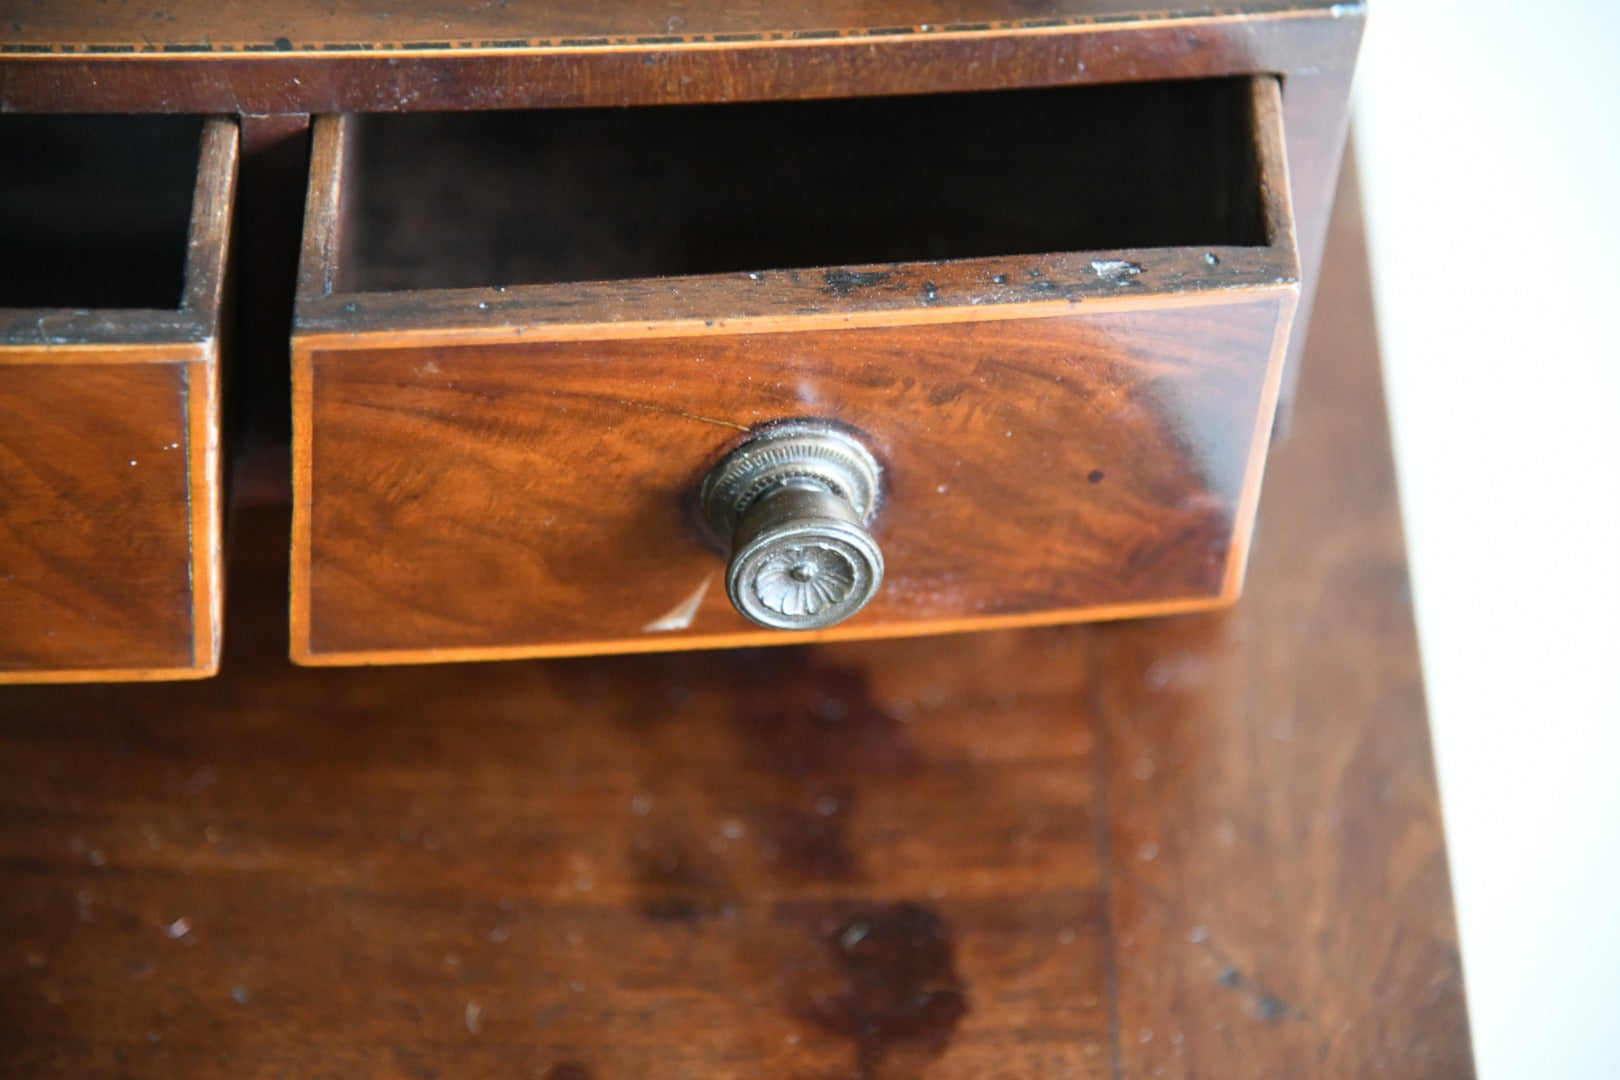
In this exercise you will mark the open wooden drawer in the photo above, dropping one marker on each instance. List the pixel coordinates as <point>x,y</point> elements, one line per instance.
<point>1055,319</point>
<point>115,233</point>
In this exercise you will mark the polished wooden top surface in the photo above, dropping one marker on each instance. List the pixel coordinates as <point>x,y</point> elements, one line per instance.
<point>1199,846</point>
<point>224,26</point>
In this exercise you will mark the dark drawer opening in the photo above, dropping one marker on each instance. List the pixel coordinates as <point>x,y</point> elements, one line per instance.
<point>94,210</point>
<point>489,199</point>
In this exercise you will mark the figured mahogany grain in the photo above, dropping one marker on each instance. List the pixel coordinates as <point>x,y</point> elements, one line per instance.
<point>1208,845</point>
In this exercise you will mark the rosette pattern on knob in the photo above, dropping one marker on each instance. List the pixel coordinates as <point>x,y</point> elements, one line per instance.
<point>805,580</point>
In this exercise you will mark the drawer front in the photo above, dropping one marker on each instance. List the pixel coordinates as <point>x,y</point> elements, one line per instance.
<point>516,472</point>
<point>109,445</point>
<point>495,496</point>
<point>96,541</point>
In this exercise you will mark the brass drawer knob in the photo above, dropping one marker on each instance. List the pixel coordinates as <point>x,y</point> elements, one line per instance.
<point>794,502</point>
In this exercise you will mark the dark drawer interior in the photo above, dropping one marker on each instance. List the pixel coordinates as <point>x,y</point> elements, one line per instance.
<point>94,210</point>
<point>486,199</point>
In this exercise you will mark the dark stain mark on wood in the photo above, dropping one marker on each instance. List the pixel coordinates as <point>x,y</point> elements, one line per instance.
<point>820,730</point>
<point>570,1070</point>
<point>1265,1005</point>
<point>845,282</point>
<point>817,723</point>
<point>885,978</point>
<point>812,841</point>
<point>676,880</point>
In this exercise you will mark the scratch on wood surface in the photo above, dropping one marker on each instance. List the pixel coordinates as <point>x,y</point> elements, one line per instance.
<point>650,407</point>
<point>681,615</point>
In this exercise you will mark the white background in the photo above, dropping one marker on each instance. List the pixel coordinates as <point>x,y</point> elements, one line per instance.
<point>1489,138</point>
